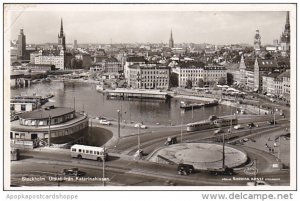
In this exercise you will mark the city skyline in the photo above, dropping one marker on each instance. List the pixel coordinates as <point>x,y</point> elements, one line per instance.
<point>148,27</point>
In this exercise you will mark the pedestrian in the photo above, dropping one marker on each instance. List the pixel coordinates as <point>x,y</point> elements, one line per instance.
<point>270,150</point>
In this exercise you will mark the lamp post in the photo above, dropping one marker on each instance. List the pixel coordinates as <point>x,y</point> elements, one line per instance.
<point>103,166</point>
<point>119,128</point>
<point>181,124</point>
<point>274,117</point>
<point>139,140</point>
<point>223,153</point>
<point>49,132</point>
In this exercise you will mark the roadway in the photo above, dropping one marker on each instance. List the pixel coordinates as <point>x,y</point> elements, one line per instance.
<point>122,169</point>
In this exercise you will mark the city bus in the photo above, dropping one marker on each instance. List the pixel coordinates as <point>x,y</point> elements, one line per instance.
<point>88,152</point>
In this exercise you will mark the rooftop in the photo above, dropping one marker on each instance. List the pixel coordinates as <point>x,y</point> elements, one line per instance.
<point>46,113</point>
<point>136,59</point>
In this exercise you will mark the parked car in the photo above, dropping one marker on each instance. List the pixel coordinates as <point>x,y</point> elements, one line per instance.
<point>185,169</point>
<point>73,172</point>
<point>257,183</point>
<point>104,122</point>
<point>251,125</point>
<point>219,130</point>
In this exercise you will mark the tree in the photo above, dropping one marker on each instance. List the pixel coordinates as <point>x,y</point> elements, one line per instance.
<point>189,84</point>
<point>200,83</point>
<point>222,81</point>
<point>229,79</point>
<point>174,80</point>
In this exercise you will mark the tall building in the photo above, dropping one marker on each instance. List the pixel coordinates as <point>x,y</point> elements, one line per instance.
<point>75,46</point>
<point>61,38</point>
<point>285,37</point>
<point>171,41</point>
<point>21,46</point>
<point>257,42</point>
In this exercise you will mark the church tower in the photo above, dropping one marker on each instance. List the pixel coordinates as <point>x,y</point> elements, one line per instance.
<point>257,42</point>
<point>285,37</point>
<point>171,41</point>
<point>21,45</point>
<point>61,38</point>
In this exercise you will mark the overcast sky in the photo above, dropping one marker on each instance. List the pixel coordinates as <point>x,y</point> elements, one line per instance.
<point>148,26</point>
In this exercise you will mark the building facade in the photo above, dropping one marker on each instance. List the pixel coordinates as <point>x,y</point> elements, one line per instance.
<point>39,123</point>
<point>56,58</point>
<point>148,76</point>
<point>194,71</point>
<point>132,61</point>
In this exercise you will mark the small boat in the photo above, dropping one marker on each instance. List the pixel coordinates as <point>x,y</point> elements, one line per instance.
<point>210,104</point>
<point>190,106</point>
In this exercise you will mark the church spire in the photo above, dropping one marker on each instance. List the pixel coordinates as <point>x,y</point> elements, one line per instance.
<point>61,27</point>
<point>61,37</point>
<point>287,22</point>
<point>171,41</point>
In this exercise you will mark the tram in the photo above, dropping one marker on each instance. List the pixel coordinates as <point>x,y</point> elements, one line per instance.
<point>207,124</point>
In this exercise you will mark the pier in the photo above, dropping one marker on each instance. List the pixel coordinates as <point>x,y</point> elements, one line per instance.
<point>140,93</point>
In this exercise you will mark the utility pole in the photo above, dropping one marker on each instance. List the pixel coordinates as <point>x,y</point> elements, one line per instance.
<point>103,166</point>
<point>49,132</point>
<point>255,174</point>
<point>274,117</point>
<point>181,137</point>
<point>223,158</point>
<point>74,103</point>
<point>192,112</point>
<point>139,140</point>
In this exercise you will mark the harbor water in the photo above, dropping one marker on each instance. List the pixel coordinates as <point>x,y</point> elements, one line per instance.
<point>85,98</point>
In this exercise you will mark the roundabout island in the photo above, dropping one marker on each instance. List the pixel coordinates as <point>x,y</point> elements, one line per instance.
<point>202,156</point>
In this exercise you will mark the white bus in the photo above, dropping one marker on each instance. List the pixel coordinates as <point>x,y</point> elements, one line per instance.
<point>88,152</point>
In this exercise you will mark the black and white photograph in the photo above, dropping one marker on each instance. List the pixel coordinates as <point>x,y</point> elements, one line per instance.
<point>149,96</point>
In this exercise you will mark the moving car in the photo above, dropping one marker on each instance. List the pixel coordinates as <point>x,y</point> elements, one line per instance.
<point>185,169</point>
<point>271,122</point>
<point>72,172</point>
<point>221,171</point>
<point>237,127</point>
<point>104,122</point>
<point>171,140</point>
<point>140,125</point>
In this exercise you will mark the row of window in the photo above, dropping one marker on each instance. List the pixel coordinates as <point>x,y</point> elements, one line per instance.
<point>86,151</point>
<point>46,122</point>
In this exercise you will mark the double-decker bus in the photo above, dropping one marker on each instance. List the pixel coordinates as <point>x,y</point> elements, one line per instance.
<point>88,152</point>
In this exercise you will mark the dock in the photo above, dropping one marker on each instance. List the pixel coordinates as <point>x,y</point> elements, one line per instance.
<point>137,93</point>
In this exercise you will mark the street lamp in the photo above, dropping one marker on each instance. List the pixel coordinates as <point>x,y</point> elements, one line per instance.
<point>103,166</point>
<point>119,129</point>
<point>49,132</point>
<point>181,133</point>
<point>139,140</point>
